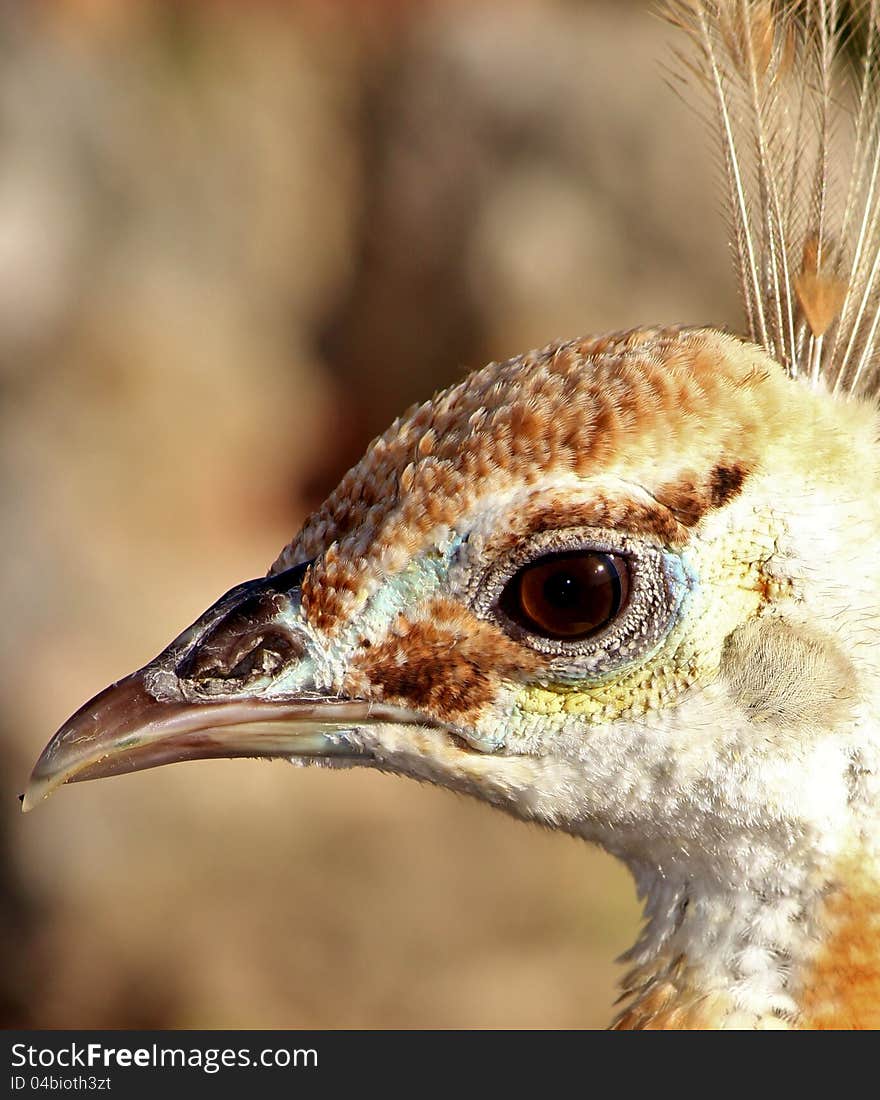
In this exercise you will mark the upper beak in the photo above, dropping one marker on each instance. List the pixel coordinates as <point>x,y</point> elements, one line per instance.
<point>200,698</point>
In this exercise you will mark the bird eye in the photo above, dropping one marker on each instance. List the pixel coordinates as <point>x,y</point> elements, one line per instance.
<point>568,596</point>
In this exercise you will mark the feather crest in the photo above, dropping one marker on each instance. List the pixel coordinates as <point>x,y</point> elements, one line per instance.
<point>794,89</point>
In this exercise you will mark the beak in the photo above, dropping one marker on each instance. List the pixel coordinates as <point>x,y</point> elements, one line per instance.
<point>206,697</point>
<point>125,729</point>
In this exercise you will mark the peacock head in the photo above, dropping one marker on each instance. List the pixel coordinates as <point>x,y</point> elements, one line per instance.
<point>615,586</point>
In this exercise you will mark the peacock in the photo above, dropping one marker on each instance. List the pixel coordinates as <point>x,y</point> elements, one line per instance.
<point>625,586</point>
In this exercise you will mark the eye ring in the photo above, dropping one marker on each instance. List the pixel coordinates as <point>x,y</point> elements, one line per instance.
<point>569,595</point>
<point>659,583</point>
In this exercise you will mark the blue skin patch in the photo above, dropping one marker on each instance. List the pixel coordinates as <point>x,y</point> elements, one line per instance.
<point>683,582</point>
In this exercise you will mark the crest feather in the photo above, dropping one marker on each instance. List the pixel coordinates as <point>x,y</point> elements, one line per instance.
<point>795,99</point>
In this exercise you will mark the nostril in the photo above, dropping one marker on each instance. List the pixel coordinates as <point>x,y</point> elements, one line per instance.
<point>250,642</point>
<point>228,664</point>
<point>262,653</point>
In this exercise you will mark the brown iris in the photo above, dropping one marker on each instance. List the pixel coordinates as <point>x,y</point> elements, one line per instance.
<point>568,595</point>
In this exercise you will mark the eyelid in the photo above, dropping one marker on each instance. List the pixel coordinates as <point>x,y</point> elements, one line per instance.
<point>497,573</point>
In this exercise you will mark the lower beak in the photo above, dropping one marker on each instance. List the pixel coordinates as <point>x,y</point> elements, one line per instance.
<point>125,729</point>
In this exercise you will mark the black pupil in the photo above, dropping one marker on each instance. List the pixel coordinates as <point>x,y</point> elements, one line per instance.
<point>568,596</point>
<point>562,590</point>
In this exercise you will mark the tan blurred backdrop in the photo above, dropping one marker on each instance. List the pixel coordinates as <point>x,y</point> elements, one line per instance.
<point>235,241</point>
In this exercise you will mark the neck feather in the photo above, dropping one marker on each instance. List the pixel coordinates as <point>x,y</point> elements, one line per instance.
<point>800,952</point>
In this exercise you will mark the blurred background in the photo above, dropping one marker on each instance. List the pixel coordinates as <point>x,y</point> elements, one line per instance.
<point>236,239</point>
